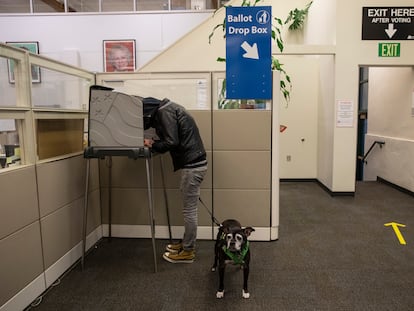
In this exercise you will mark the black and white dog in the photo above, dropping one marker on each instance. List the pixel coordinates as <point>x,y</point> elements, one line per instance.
<point>232,247</point>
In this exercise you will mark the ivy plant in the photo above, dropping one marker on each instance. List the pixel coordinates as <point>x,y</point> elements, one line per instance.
<point>295,21</point>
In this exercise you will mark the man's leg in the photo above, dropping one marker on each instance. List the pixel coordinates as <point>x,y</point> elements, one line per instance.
<point>190,188</point>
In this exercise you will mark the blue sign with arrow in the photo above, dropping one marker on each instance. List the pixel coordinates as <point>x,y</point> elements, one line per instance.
<point>248,52</point>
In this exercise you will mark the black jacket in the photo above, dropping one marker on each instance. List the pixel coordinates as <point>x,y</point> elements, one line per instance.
<point>178,133</point>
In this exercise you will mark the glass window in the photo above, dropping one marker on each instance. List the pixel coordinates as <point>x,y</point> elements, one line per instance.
<point>15,6</point>
<point>83,5</point>
<point>212,4</point>
<point>7,89</point>
<point>58,90</point>
<point>180,4</point>
<point>9,143</point>
<point>117,5</point>
<point>40,6</point>
<point>194,4</point>
<point>152,5</point>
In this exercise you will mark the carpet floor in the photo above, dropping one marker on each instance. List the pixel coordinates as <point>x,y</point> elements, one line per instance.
<point>333,253</point>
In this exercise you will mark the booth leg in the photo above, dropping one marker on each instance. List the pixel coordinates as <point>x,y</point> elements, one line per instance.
<point>151,208</point>
<point>85,214</point>
<point>110,197</point>
<point>165,198</point>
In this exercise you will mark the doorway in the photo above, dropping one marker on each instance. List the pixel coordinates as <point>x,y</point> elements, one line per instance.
<point>362,120</point>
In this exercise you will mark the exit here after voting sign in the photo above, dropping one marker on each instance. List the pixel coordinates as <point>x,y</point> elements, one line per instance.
<point>388,23</point>
<point>248,52</point>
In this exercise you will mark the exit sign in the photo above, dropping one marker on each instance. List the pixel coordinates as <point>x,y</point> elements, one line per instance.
<point>389,49</point>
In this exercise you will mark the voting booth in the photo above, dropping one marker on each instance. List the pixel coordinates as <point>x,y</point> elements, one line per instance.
<point>116,128</point>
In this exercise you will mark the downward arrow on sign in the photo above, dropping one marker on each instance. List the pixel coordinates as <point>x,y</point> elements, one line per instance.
<point>251,51</point>
<point>390,30</point>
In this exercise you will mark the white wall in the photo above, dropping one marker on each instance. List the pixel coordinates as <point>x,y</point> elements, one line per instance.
<point>299,142</point>
<point>194,52</point>
<point>390,119</point>
<point>351,52</point>
<point>390,93</point>
<point>83,34</point>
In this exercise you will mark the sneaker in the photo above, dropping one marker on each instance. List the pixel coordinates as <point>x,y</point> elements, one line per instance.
<point>181,257</point>
<point>174,248</point>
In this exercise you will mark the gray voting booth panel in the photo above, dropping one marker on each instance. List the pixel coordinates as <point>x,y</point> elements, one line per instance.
<point>115,119</point>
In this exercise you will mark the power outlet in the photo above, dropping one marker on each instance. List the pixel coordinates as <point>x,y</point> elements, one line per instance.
<point>288,158</point>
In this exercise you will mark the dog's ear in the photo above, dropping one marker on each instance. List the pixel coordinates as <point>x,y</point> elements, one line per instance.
<point>248,230</point>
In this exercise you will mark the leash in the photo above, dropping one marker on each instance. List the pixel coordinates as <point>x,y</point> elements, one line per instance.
<point>213,219</point>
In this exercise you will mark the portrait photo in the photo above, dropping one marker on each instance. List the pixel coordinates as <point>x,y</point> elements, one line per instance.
<point>119,55</point>
<point>32,47</point>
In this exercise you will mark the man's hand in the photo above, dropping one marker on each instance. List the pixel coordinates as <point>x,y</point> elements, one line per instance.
<point>148,142</point>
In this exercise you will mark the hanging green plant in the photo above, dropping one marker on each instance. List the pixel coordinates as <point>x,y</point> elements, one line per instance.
<point>296,17</point>
<point>295,20</point>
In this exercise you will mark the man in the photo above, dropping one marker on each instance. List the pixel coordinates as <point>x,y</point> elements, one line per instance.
<point>178,134</point>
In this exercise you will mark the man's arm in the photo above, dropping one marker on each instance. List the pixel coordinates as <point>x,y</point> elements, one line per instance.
<point>167,128</point>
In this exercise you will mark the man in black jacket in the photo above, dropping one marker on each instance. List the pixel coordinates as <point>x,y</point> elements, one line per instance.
<point>178,133</point>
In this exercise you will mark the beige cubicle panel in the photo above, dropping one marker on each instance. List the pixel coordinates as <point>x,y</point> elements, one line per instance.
<point>61,188</point>
<point>242,166</point>
<point>19,202</point>
<point>21,261</point>
<point>20,243</point>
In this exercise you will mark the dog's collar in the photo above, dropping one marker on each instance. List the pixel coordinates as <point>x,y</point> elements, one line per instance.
<point>238,259</point>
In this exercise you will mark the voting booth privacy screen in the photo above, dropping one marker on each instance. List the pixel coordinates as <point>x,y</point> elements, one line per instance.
<point>115,119</point>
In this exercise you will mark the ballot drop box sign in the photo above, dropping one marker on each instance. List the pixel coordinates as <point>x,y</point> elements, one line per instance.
<point>248,52</point>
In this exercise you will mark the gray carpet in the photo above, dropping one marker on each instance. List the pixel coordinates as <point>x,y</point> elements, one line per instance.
<point>333,253</point>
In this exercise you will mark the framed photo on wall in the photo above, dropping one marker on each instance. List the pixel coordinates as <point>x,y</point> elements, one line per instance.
<point>32,47</point>
<point>119,55</point>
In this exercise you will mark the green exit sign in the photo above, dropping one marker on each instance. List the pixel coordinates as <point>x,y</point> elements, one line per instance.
<point>389,49</point>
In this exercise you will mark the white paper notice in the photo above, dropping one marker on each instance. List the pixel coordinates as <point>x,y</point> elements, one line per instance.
<point>345,114</point>
<point>202,94</point>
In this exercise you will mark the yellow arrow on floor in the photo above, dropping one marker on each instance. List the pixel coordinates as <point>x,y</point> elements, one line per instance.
<point>397,231</point>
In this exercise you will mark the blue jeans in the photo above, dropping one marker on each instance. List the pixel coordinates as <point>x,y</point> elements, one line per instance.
<point>191,179</point>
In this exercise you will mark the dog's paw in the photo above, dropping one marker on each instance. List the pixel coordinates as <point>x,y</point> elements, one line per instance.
<point>245,295</point>
<point>213,269</point>
<point>219,294</point>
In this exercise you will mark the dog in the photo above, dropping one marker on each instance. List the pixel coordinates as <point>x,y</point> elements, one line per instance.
<point>232,247</point>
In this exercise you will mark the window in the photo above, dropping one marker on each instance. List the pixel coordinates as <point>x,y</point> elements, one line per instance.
<point>152,5</point>
<point>117,6</point>
<point>40,118</point>
<point>62,6</point>
<point>7,90</point>
<point>83,5</point>
<point>40,6</point>
<point>15,6</point>
<point>10,154</point>
<point>60,90</point>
